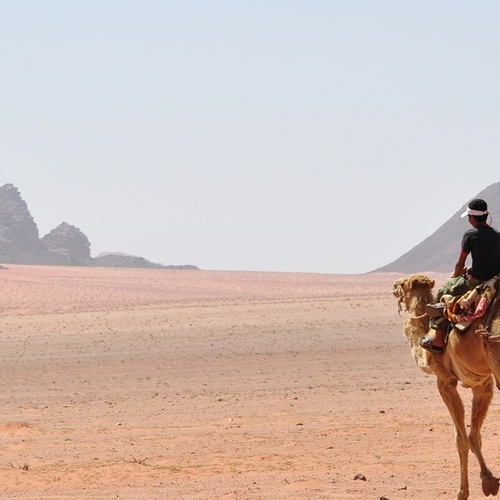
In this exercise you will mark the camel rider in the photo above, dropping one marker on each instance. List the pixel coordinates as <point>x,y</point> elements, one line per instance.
<point>482,242</point>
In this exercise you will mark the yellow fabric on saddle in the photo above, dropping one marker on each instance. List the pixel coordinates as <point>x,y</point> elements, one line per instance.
<point>472,305</point>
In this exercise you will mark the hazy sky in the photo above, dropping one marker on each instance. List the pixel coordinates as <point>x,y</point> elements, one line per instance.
<point>303,136</point>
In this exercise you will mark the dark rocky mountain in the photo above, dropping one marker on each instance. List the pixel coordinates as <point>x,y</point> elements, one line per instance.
<point>64,245</point>
<point>68,243</point>
<point>440,250</point>
<point>18,231</point>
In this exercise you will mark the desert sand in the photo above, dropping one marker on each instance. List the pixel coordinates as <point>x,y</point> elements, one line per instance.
<point>167,384</point>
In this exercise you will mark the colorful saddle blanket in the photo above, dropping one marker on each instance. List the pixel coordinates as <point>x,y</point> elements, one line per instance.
<point>472,305</point>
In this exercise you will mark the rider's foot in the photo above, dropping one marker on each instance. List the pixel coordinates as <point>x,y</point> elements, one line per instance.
<point>431,345</point>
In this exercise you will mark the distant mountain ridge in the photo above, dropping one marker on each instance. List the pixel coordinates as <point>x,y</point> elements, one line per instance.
<point>65,245</point>
<point>439,252</point>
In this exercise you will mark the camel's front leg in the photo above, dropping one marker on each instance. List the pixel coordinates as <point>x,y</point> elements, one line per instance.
<point>482,396</point>
<point>451,398</point>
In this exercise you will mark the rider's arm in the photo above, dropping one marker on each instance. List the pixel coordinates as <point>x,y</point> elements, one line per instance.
<point>460,265</point>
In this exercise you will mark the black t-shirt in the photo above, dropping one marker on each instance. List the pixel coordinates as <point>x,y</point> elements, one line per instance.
<point>483,243</point>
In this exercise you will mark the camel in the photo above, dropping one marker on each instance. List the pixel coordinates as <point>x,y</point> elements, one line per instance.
<point>471,358</point>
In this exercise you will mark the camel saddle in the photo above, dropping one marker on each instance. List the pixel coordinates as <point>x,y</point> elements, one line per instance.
<point>474,304</point>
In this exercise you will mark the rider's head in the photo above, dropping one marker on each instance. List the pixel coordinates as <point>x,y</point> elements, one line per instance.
<point>477,209</point>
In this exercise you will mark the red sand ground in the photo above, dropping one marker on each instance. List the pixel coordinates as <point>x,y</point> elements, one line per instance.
<point>217,385</point>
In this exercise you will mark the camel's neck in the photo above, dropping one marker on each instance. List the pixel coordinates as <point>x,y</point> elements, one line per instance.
<point>416,328</point>
<point>417,324</point>
<point>416,305</point>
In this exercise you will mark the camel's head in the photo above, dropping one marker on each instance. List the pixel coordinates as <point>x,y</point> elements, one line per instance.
<point>406,289</point>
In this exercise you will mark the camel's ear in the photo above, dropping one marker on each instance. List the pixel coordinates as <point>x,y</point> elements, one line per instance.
<point>428,282</point>
<point>419,280</point>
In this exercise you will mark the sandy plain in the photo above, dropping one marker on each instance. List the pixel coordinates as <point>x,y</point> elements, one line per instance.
<point>165,384</point>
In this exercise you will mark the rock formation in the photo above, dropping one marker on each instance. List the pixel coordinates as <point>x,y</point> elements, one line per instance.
<point>65,245</point>
<point>124,260</point>
<point>69,243</point>
<point>18,231</point>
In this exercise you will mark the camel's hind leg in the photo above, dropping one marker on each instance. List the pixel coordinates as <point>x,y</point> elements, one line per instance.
<point>451,397</point>
<point>481,399</point>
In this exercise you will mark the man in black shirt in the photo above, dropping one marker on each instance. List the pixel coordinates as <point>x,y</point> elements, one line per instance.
<point>482,242</point>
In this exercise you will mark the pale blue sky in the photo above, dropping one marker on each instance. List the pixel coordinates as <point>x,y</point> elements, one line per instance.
<point>303,136</point>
